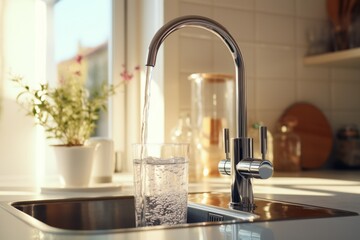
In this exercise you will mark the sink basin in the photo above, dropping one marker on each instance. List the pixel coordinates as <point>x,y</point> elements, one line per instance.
<point>118,213</point>
<point>272,210</point>
<point>108,213</point>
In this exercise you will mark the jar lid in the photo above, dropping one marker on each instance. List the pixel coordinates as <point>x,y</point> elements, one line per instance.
<point>348,131</point>
<point>211,77</point>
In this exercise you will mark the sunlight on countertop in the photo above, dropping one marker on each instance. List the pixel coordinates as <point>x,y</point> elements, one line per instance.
<point>307,186</point>
<point>277,185</point>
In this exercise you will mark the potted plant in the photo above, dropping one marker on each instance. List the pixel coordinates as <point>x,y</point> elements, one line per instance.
<point>69,114</point>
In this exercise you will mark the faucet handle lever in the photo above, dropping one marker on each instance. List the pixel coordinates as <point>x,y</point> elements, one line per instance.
<point>263,141</point>
<point>224,165</point>
<point>256,168</point>
<point>227,143</point>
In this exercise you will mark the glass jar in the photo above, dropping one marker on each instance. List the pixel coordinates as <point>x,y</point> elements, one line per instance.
<point>213,109</point>
<point>287,148</point>
<point>348,147</point>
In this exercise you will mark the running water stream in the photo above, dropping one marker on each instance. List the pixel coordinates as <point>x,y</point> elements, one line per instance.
<point>145,115</point>
<point>143,141</point>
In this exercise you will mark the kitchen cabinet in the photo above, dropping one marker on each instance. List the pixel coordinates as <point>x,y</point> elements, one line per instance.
<point>346,58</point>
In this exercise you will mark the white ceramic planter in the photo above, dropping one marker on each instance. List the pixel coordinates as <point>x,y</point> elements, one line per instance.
<point>104,159</point>
<point>74,164</point>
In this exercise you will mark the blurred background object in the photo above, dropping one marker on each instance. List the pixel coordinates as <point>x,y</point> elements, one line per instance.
<point>212,97</point>
<point>287,146</point>
<point>314,131</point>
<point>348,147</point>
<point>343,16</point>
<point>182,132</point>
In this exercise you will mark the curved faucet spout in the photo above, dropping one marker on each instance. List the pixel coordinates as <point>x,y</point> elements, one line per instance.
<point>241,188</point>
<point>224,35</point>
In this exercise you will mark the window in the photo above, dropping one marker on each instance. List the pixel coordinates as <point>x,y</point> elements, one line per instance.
<point>94,29</point>
<point>83,28</point>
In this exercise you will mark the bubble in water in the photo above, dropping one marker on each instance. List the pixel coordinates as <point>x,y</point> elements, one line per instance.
<point>164,203</point>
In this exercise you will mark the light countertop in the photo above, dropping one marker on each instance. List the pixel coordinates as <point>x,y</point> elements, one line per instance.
<point>332,189</point>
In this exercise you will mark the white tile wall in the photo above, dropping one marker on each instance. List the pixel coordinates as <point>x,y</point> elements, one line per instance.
<point>314,9</point>
<point>278,29</point>
<point>286,7</point>
<point>239,4</point>
<point>272,35</point>
<point>196,9</point>
<point>341,117</point>
<point>316,92</point>
<point>196,55</point>
<point>341,74</point>
<point>275,62</point>
<point>277,100</point>
<point>345,96</point>
<point>239,22</point>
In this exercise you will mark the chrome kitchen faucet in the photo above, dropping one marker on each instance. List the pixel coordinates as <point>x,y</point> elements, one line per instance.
<point>243,166</point>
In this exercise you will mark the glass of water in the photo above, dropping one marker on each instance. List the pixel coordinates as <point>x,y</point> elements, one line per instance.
<point>161,183</point>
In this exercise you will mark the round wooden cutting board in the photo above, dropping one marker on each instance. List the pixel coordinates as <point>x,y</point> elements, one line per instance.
<point>315,134</point>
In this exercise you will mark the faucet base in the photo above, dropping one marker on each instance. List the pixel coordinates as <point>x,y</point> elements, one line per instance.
<point>246,200</point>
<point>243,207</point>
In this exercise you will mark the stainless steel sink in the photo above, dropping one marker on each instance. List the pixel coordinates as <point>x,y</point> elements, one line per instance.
<point>118,213</point>
<point>272,210</point>
<point>108,214</point>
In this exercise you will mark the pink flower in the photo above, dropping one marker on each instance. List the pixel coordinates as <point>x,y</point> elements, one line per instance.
<point>79,59</point>
<point>126,75</point>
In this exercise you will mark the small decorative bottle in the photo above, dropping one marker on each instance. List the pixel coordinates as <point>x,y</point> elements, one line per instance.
<point>287,148</point>
<point>182,132</point>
